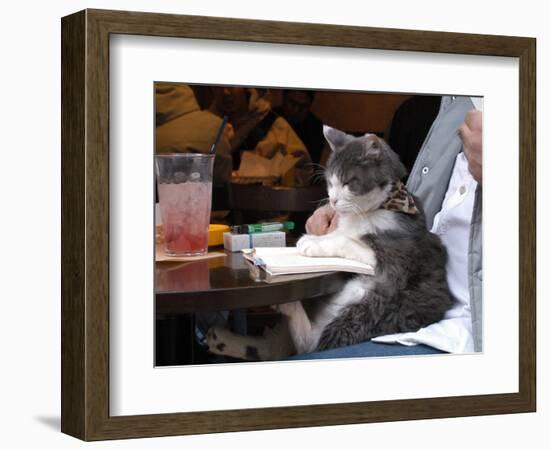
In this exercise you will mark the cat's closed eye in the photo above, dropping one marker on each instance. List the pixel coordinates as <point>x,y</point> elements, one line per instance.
<point>351,182</point>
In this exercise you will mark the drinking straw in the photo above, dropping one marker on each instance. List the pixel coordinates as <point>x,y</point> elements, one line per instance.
<point>218,136</point>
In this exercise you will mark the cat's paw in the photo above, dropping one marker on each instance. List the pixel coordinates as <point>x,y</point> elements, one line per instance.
<point>310,246</point>
<point>216,338</point>
<point>286,309</point>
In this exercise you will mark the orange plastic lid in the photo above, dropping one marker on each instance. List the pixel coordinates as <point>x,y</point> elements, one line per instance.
<point>215,234</point>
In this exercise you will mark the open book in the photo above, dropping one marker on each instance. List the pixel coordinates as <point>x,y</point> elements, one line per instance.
<point>284,263</point>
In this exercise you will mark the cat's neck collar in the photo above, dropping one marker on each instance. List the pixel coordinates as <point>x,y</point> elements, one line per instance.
<point>400,199</point>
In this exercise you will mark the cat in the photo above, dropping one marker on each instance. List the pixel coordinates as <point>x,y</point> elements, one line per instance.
<point>378,223</point>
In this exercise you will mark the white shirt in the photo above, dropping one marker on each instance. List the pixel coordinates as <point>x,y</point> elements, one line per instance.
<point>452,224</point>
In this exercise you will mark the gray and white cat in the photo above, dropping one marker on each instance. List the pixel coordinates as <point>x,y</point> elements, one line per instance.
<point>378,223</point>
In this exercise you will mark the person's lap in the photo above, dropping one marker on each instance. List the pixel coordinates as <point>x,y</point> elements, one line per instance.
<point>369,349</point>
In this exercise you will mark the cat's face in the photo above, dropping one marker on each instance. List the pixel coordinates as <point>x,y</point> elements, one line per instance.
<point>359,171</point>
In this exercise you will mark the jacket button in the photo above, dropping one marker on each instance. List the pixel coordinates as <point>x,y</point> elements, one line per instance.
<point>425,170</point>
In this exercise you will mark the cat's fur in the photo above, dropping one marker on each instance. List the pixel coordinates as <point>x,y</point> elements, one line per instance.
<point>409,289</point>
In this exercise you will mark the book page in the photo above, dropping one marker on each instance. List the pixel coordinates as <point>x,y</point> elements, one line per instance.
<point>287,260</point>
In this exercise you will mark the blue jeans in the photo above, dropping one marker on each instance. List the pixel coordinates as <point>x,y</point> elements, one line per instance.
<point>369,349</point>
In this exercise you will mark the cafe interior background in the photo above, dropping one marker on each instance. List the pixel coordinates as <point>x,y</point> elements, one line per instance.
<point>268,167</point>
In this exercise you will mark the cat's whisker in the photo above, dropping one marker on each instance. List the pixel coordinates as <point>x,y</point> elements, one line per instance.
<point>319,175</point>
<point>315,164</point>
<point>356,212</point>
<point>357,209</point>
<point>321,202</point>
<point>313,179</point>
<point>316,178</point>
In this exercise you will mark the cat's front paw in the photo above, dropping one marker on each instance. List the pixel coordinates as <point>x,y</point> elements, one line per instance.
<point>310,246</point>
<point>286,309</point>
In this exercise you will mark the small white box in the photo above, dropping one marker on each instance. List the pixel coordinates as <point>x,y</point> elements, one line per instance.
<point>268,239</point>
<point>238,242</point>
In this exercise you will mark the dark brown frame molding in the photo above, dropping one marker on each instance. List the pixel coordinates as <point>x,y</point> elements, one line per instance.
<point>85,224</point>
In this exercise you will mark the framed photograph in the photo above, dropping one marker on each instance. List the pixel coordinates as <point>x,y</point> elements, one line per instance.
<point>188,139</point>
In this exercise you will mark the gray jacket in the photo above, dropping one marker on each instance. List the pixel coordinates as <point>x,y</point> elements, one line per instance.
<point>429,180</point>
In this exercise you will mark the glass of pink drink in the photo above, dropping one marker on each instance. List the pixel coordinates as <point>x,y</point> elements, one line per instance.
<point>184,183</point>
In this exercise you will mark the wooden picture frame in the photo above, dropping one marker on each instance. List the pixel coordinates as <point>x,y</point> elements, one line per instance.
<point>85,224</point>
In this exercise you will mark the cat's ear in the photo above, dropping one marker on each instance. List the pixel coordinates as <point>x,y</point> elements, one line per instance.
<point>336,139</point>
<point>373,150</point>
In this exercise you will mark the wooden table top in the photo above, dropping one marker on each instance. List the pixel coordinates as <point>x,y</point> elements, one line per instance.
<point>225,283</point>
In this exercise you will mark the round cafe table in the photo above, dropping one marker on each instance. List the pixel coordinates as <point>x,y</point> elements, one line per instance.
<point>225,283</point>
<point>217,284</point>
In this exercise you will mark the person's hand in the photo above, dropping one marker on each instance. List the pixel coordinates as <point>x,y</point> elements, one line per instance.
<point>229,132</point>
<point>470,133</point>
<point>322,221</point>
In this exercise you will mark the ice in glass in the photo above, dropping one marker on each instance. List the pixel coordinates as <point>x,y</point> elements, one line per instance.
<point>184,184</point>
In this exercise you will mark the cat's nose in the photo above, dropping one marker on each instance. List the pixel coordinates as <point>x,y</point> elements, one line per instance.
<point>333,202</point>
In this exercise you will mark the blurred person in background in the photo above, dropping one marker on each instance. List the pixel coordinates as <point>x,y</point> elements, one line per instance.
<point>296,110</point>
<point>182,127</point>
<point>256,127</point>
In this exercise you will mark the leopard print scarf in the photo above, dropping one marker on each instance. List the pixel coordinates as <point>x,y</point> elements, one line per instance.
<point>400,200</point>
